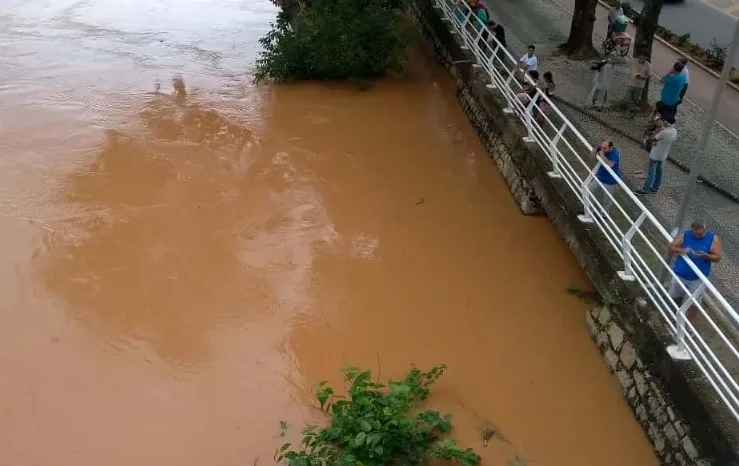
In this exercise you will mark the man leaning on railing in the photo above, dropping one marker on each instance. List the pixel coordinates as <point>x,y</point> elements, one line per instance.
<point>607,154</point>
<point>703,248</point>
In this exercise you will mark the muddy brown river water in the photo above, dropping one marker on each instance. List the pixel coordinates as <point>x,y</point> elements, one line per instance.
<point>176,274</point>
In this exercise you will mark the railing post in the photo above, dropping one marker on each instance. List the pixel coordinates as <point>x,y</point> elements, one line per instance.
<point>493,70</point>
<point>529,118</point>
<point>627,274</point>
<point>679,351</point>
<point>509,109</point>
<point>463,30</point>
<point>587,216</point>
<point>554,152</point>
<point>479,55</point>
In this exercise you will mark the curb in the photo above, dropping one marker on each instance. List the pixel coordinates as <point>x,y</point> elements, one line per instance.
<point>707,70</point>
<point>695,61</point>
<point>680,52</point>
<point>684,168</point>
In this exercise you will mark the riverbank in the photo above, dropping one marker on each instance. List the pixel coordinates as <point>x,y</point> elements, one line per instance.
<point>523,22</point>
<point>680,388</point>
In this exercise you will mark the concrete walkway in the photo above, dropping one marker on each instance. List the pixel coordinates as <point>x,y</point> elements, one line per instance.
<point>546,24</point>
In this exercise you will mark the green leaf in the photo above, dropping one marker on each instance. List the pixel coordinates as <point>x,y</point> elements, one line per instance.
<point>324,395</point>
<point>366,426</point>
<point>359,439</point>
<point>373,439</point>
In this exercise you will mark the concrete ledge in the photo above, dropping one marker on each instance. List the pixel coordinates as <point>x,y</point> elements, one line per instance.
<point>704,433</point>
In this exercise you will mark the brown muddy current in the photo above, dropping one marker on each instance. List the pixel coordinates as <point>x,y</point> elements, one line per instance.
<point>176,273</point>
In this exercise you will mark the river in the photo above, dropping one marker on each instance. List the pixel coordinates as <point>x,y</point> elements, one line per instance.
<point>178,271</point>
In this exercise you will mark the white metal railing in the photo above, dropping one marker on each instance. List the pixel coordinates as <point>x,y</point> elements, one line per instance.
<point>625,224</point>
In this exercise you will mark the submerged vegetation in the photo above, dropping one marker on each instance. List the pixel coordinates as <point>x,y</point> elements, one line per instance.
<point>334,39</point>
<point>377,425</point>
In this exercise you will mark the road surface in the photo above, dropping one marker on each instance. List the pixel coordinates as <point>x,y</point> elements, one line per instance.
<point>704,20</point>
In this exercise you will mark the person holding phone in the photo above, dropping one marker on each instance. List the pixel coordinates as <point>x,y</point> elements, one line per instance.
<point>703,248</point>
<point>607,155</point>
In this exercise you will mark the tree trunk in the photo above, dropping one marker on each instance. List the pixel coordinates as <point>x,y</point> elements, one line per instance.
<point>646,26</point>
<point>580,42</point>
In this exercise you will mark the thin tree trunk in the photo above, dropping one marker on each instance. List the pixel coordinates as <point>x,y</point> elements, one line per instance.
<point>646,26</point>
<point>580,42</point>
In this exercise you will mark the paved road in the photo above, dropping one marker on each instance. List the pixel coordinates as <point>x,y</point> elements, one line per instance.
<point>704,20</point>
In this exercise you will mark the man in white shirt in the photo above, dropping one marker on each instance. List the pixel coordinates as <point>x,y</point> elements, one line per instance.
<point>528,62</point>
<point>663,140</point>
<point>686,74</point>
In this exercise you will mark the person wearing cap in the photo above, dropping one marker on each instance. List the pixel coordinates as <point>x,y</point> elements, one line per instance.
<point>662,141</point>
<point>703,248</point>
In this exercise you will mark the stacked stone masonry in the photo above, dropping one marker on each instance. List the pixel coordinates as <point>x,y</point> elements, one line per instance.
<point>657,415</point>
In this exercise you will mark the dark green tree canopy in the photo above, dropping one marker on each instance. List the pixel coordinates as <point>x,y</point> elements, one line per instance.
<point>334,39</point>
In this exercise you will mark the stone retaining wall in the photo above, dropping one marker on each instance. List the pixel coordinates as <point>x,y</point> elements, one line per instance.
<point>654,411</point>
<point>671,400</point>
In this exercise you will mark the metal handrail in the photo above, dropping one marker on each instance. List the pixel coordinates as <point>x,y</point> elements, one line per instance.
<point>642,262</point>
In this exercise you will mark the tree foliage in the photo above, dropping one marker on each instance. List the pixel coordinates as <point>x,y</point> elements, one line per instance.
<point>334,39</point>
<point>377,425</point>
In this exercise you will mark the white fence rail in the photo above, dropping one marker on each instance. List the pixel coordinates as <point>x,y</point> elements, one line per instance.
<point>633,232</point>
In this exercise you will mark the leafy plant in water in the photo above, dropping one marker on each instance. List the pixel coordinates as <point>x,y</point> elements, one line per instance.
<point>376,425</point>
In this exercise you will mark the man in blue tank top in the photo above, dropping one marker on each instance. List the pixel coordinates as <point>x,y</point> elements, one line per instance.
<point>703,248</point>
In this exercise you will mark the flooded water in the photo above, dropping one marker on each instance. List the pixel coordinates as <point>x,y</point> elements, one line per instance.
<point>177,272</point>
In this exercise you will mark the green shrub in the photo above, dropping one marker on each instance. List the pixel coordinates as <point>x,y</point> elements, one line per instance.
<point>716,53</point>
<point>334,39</point>
<point>375,425</point>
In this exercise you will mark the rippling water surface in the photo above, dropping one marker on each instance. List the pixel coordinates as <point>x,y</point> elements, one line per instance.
<point>177,272</point>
